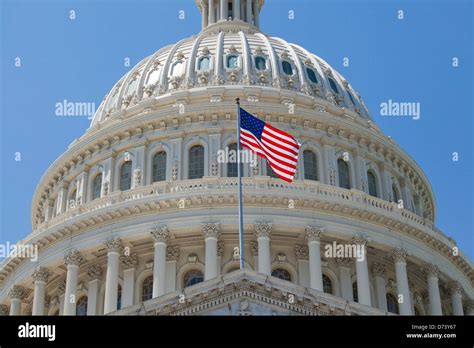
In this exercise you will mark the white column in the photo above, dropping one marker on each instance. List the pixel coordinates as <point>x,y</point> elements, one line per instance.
<point>95,274</point>
<point>248,11</point>
<point>160,236</point>
<point>345,278</point>
<point>263,232</point>
<point>431,272</point>
<point>73,259</point>
<point>236,9</point>
<point>211,10</point>
<point>456,298</point>
<point>312,235</point>
<point>223,12</point>
<point>40,276</point>
<point>61,200</point>
<point>379,271</point>
<point>172,255</point>
<point>363,284</point>
<point>128,265</point>
<point>399,256</point>
<point>16,294</point>
<point>256,14</point>
<point>204,14</point>
<point>211,233</point>
<point>114,245</point>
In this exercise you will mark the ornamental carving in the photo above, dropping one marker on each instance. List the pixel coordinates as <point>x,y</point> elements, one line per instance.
<point>41,274</point>
<point>62,286</point>
<point>263,229</point>
<point>211,230</point>
<point>254,248</point>
<point>160,234</point>
<point>455,288</point>
<point>73,257</point>
<point>430,270</point>
<point>302,252</point>
<point>94,272</point>
<point>359,240</point>
<point>137,175</point>
<point>3,309</point>
<point>129,261</point>
<point>17,292</point>
<point>399,255</point>
<point>344,261</point>
<point>172,253</point>
<point>379,269</point>
<point>174,171</point>
<point>220,248</point>
<point>312,233</point>
<point>105,188</point>
<point>113,245</point>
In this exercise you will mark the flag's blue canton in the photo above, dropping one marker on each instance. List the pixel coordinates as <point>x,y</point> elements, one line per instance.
<point>251,124</point>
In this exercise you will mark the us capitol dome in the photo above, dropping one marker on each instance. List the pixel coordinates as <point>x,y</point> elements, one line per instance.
<point>138,216</point>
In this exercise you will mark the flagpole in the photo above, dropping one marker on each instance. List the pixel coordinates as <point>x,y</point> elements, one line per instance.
<point>239,174</point>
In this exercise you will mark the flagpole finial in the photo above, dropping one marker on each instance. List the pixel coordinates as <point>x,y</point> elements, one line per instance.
<point>237,101</point>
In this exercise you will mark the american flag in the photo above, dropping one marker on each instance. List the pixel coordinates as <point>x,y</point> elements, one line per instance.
<point>280,149</point>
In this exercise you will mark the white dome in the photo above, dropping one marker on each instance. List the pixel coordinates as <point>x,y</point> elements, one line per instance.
<point>230,53</point>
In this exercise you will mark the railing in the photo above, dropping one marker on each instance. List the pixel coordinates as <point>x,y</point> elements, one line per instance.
<point>265,185</point>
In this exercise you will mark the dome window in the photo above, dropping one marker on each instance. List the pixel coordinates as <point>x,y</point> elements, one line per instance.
<point>96,186</point>
<point>343,171</point>
<point>311,75</point>
<point>310,165</point>
<point>372,183</point>
<point>351,97</point>
<point>232,61</point>
<point>281,273</point>
<point>147,288</point>
<point>333,85</point>
<point>178,69</point>
<point>327,285</point>
<point>193,277</point>
<point>204,64</point>
<point>260,63</point>
<point>196,162</point>
<point>159,166</point>
<point>287,68</point>
<point>126,176</point>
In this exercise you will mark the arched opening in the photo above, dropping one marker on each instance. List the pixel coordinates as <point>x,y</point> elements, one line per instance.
<point>192,277</point>
<point>281,274</point>
<point>372,183</point>
<point>125,176</point>
<point>392,304</point>
<point>81,306</point>
<point>310,163</point>
<point>196,162</point>
<point>159,167</point>
<point>147,288</point>
<point>344,175</point>
<point>327,285</point>
<point>96,186</point>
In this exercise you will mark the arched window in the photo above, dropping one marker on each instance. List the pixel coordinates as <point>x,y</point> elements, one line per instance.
<point>310,165</point>
<point>355,292</point>
<point>178,69</point>
<point>204,63</point>
<point>196,162</point>
<point>333,85</point>
<point>281,274</point>
<point>72,199</point>
<point>327,284</point>
<point>312,75</point>
<point>81,306</point>
<point>192,277</point>
<point>260,63</point>
<point>126,176</point>
<point>287,68</point>
<point>372,184</point>
<point>159,166</point>
<point>270,171</point>
<point>96,186</point>
<point>395,194</point>
<point>119,297</point>
<point>392,304</point>
<point>232,61</point>
<point>351,97</point>
<point>147,288</point>
<point>343,171</point>
<point>232,161</point>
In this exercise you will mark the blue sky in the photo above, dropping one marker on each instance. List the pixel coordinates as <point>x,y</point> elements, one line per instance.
<point>407,60</point>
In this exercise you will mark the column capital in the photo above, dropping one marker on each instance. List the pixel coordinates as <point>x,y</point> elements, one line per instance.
<point>379,269</point>
<point>313,233</point>
<point>359,240</point>
<point>172,253</point>
<point>129,261</point>
<point>17,292</point>
<point>160,234</point>
<point>41,274</point>
<point>302,252</point>
<point>113,245</point>
<point>73,257</point>
<point>262,229</point>
<point>344,261</point>
<point>399,255</point>
<point>211,230</point>
<point>430,270</point>
<point>455,288</point>
<point>94,272</point>
<point>4,309</point>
